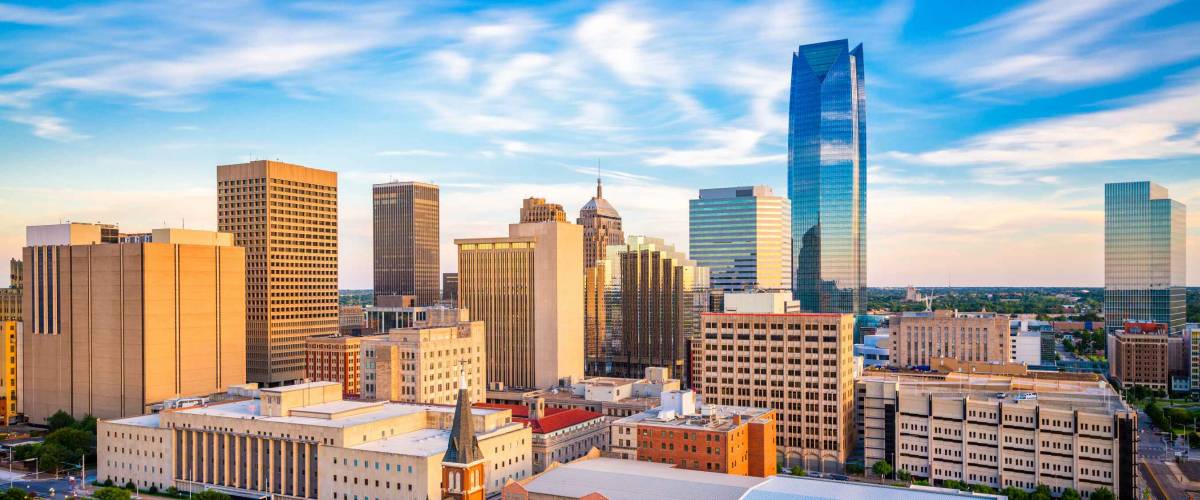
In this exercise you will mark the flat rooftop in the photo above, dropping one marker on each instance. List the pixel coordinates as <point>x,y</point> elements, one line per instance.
<point>1070,393</point>
<point>248,409</point>
<point>723,417</point>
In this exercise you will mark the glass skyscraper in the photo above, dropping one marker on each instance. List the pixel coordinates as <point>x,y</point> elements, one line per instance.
<point>827,177</point>
<point>743,236</point>
<point>1144,255</point>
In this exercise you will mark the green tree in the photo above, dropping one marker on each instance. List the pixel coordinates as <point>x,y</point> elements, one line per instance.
<point>854,469</point>
<point>210,495</point>
<point>797,470</point>
<point>983,488</point>
<point>14,494</point>
<point>1014,493</point>
<point>109,493</point>
<point>59,420</point>
<point>25,452</point>
<point>1102,493</point>
<point>87,424</point>
<point>883,468</point>
<point>1042,492</point>
<point>52,457</point>
<point>76,442</point>
<point>1069,494</point>
<point>904,475</point>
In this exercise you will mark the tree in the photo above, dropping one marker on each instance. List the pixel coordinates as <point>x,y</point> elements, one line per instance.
<point>109,493</point>
<point>904,475</point>
<point>14,494</point>
<point>883,468</point>
<point>24,452</point>
<point>60,419</point>
<point>797,470</point>
<point>1102,493</point>
<point>983,488</point>
<point>1014,493</point>
<point>76,442</point>
<point>211,495</point>
<point>1042,492</point>
<point>854,469</point>
<point>1069,494</point>
<point>52,456</point>
<point>87,424</point>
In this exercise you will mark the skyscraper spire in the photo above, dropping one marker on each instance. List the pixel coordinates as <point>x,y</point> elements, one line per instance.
<point>599,188</point>
<point>463,447</point>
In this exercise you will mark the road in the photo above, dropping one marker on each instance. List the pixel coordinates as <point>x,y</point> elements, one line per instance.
<point>1154,452</point>
<point>41,486</point>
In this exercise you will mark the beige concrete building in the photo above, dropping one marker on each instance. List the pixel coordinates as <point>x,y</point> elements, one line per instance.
<point>112,328</point>
<point>336,358</point>
<point>919,337</point>
<point>528,289</point>
<point>612,397</point>
<point>285,216</point>
<point>304,441</point>
<point>422,364</point>
<point>537,210</point>
<point>559,434</point>
<point>799,364</point>
<point>1060,430</point>
<point>352,320</point>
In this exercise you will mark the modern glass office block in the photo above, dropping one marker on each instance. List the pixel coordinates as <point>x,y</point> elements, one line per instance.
<point>827,177</point>
<point>743,236</point>
<point>1144,255</point>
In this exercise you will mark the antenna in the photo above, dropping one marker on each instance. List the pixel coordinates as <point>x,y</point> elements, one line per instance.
<point>599,188</point>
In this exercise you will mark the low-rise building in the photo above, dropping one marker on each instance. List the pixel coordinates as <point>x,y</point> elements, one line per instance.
<point>918,337</point>
<point>1057,429</point>
<point>334,358</point>
<point>420,364</point>
<point>304,441</point>
<point>1027,348</point>
<point>559,434</point>
<point>729,439</point>
<point>1139,354</point>
<point>609,396</point>
<point>352,320</point>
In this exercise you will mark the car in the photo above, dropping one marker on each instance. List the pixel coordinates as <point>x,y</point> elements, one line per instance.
<point>839,477</point>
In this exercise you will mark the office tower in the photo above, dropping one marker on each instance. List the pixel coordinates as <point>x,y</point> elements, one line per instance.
<point>799,364</point>
<point>827,177</point>
<point>537,210</point>
<point>450,287</point>
<point>527,288</point>
<point>1057,429</point>
<point>716,438</point>
<point>113,328</point>
<point>1144,256</point>
<point>406,240</point>
<point>10,298</point>
<point>919,338</point>
<point>444,349</point>
<point>305,441</point>
<point>10,370</point>
<point>285,216</point>
<point>601,227</point>
<point>743,236</point>
<point>653,299</point>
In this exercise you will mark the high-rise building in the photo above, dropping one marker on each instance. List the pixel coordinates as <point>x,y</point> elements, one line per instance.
<point>420,364</point>
<point>406,240</point>
<point>918,338</point>
<point>285,216</point>
<point>653,299</point>
<point>15,277</point>
<point>527,288</point>
<point>1144,256</point>
<point>799,364</point>
<point>537,210</point>
<point>601,227</point>
<point>10,298</point>
<point>10,370</point>
<point>827,177</point>
<point>450,288</point>
<point>113,328</point>
<point>743,236</point>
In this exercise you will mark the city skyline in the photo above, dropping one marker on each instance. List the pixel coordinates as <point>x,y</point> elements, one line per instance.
<point>952,171</point>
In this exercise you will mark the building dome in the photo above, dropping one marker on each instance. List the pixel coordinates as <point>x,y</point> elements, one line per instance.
<point>598,205</point>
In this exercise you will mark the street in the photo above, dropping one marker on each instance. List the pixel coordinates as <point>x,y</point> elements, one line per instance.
<point>1154,452</point>
<point>42,487</point>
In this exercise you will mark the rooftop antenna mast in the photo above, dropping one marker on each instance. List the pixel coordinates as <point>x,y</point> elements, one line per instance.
<point>599,188</point>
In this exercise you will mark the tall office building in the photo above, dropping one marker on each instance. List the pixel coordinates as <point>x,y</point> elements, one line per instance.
<point>601,227</point>
<point>653,299</point>
<point>827,177</point>
<point>527,288</point>
<point>113,328</point>
<point>406,238</point>
<point>285,216</point>
<point>537,210</point>
<point>10,298</point>
<point>1144,256</point>
<point>450,287</point>
<point>743,236</point>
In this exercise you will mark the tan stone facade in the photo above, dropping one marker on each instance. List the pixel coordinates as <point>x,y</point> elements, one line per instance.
<point>537,210</point>
<point>421,365</point>
<point>528,290</point>
<point>799,364</point>
<point>111,329</point>
<point>304,441</point>
<point>1001,431</point>
<point>286,218</point>
<point>919,338</point>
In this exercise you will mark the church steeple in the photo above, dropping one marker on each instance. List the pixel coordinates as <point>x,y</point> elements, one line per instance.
<point>462,466</point>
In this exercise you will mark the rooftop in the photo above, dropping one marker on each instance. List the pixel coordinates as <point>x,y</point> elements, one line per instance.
<point>1063,393</point>
<point>358,412</point>
<point>720,419</point>
<point>554,419</point>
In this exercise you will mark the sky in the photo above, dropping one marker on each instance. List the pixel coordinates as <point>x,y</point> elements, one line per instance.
<point>991,126</point>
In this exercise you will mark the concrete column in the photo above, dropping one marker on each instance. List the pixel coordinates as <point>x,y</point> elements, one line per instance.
<point>195,455</point>
<point>309,452</point>
<point>271,480</point>
<point>296,469</point>
<point>258,481</point>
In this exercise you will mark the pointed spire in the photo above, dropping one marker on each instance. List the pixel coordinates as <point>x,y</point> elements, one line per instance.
<point>463,447</point>
<point>599,188</point>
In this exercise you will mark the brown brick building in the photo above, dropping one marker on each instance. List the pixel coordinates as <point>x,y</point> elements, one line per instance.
<point>335,359</point>
<point>406,240</point>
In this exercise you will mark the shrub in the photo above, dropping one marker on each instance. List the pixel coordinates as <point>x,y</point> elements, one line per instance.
<point>211,495</point>
<point>1102,493</point>
<point>109,493</point>
<point>883,468</point>
<point>60,420</point>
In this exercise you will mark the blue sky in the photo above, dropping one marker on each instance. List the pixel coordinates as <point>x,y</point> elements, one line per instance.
<point>991,127</point>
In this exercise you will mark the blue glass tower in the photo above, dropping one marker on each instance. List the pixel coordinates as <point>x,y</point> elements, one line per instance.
<point>827,177</point>
<point>1145,252</point>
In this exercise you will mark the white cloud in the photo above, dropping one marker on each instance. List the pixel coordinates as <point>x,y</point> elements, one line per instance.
<point>411,152</point>
<point>514,71</point>
<point>453,65</point>
<point>619,38</point>
<point>725,147</point>
<point>49,127</point>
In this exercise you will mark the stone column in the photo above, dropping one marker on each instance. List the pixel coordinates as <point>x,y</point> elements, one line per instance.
<point>258,481</point>
<point>296,469</point>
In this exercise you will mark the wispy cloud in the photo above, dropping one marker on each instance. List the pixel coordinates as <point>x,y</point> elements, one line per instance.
<point>722,147</point>
<point>49,127</point>
<point>412,152</point>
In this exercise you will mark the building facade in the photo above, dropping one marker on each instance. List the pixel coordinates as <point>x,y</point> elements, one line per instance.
<point>714,438</point>
<point>1139,356</point>
<point>10,298</point>
<point>422,364</point>
<point>609,396</point>
<point>450,288</point>
<point>827,177</point>
<point>743,236</point>
<point>601,227</point>
<point>335,358</point>
<point>535,210</point>
<point>1060,430</point>
<point>800,365</point>
<point>352,320</point>
<point>528,289</point>
<point>559,434</point>
<point>113,328</point>
<point>653,298</point>
<point>10,371</point>
<point>919,337</point>
<point>1145,252</point>
<point>406,240</point>
<point>285,216</point>
<point>305,441</point>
